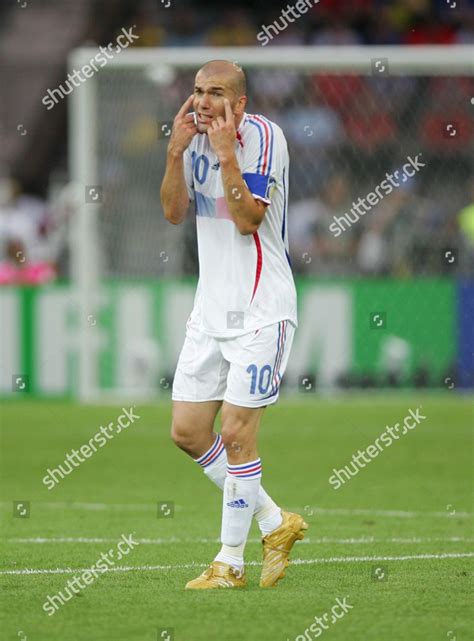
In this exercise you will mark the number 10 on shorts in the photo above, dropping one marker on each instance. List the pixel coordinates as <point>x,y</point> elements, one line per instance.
<point>263,377</point>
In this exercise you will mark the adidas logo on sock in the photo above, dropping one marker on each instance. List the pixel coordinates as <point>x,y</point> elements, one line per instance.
<point>238,503</point>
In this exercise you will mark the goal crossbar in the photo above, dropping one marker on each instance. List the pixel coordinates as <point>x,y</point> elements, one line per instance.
<point>416,60</point>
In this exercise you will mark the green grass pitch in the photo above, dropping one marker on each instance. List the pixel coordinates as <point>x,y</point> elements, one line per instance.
<point>396,540</point>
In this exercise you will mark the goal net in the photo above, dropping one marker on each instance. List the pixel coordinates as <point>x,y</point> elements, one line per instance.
<point>380,223</point>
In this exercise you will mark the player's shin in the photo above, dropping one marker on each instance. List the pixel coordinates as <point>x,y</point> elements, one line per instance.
<point>241,489</point>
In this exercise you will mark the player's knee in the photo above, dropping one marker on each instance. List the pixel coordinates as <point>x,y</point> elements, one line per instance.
<point>181,437</point>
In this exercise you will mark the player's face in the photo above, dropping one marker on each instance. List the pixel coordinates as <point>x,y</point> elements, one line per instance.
<point>209,94</point>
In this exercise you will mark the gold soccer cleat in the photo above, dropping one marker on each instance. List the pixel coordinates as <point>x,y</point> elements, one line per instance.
<point>277,547</point>
<point>218,575</point>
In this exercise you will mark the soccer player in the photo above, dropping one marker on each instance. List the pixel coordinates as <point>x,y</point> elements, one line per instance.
<point>234,165</point>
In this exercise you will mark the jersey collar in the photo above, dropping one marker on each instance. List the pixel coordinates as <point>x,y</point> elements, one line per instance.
<point>239,130</point>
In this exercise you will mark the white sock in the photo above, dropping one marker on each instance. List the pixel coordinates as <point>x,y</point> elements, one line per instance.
<point>214,463</point>
<point>267,513</point>
<point>212,455</point>
<point>232,555</point>
<point>239,500</point>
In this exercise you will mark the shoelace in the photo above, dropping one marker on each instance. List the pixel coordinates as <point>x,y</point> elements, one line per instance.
<point>213,573</point>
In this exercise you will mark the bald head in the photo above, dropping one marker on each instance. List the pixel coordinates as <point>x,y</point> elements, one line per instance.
<point>234,74</point>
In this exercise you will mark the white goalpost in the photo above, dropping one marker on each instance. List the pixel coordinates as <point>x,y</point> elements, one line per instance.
<point>117,235</point>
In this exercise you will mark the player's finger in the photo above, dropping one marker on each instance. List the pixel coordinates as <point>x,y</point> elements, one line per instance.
<point>220,121</point>
<point>185,106</point>
<point>229,116</point>
<point>189,118</point>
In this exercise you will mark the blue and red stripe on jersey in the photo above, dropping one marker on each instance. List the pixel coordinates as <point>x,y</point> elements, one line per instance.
<point>265,130</point>
<point>258,267</point>
<point>258,181</point>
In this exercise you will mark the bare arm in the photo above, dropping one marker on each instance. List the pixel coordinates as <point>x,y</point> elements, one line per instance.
<point>173,193</point>
<point>247,211</point>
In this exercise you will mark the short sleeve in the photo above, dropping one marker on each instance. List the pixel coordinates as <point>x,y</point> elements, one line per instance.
<point>259,158</point>
<point>188,173</point>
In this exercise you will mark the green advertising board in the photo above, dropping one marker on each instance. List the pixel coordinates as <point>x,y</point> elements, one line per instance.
<point>358,326</point>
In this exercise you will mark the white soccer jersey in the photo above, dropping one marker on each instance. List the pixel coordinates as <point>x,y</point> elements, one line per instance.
<point>245,282</point>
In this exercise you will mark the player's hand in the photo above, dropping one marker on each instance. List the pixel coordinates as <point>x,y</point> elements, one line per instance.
<point>184,129</point>
<point>222,133</point>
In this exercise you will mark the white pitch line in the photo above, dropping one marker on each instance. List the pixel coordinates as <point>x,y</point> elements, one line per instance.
<point>386,513</point>
<point>341,559</point>
<point>95,507</point>
<point>308,541</point>
<point>145,507</point>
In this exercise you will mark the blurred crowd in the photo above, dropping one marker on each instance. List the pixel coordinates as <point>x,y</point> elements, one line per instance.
<point>410,232</point>
<point>329,22</point>
<point>33,234</point>
<point>407,233</point>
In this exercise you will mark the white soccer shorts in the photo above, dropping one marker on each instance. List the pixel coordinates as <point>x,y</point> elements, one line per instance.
<point>245,370</point>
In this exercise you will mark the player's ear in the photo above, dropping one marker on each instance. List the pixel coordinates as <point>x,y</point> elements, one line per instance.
<point>240,105</point>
